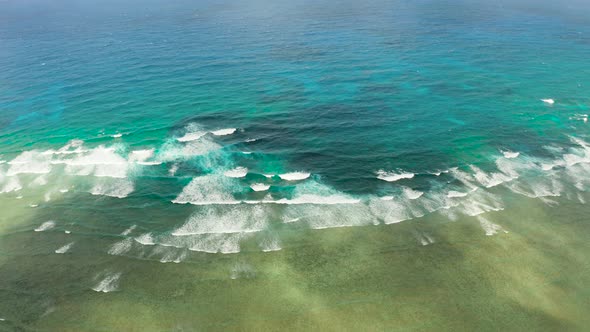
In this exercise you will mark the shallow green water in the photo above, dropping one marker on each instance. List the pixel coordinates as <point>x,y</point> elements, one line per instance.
<point>294,166</point>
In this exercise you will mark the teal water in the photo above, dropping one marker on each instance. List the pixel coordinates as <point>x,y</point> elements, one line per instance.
<point>181,166</point>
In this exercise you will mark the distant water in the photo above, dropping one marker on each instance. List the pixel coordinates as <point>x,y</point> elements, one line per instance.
<point>294,165</point>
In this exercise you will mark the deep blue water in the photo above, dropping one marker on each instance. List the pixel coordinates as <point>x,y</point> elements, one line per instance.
<point>388,111</point>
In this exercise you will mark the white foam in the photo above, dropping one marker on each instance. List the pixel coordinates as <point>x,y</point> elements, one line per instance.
<point>238,172</point>
<point>100,161</point>
<point>45,226</point>
<point>578,117</point>
<point>12,185</point>
<point>269,244</point>
<point>191,136</point>
<point>67,232</point>
<point>411,193</point>
<point>480,202</point>
<point>455,194</point>
<point>390,212</point>
<point>121,247</point>
<point>237,219</point>
<point>217,243</point>
<point>73,147</point>
<point>321,217</point>
<point>29,162</point>
<point>33,205</point>
<point>63,191</point>
<point>208,189</point>
<point>314,200</point>
<point>242,270</point>
<point>386,198</point>
<point>392,176</point>
<point>489,227</point>
<point>248,140</point>
<point>41,180</point>
<point>118,188</point>
<point>145,239</point>
<point>294,176</point>
<point>260,187</point>
<point>64,249</point>
<point>510,154</point>
<point>224,132</point>
<point>110,283</point>
<point>140,156</point>
<point>129,230</point>
<point>463,177</point>
<point>173,169</point>
<point>117,135</point>
<point>548,101</point>
<point>172,256</point>
<point>174,151</point>
<point>491,179</point>
<point>424,238</point>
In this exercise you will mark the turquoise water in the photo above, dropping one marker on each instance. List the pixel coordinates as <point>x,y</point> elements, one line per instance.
<point>181,166</point>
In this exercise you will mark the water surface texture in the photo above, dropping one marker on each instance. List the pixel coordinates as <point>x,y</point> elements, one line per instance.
<point>294,165</point>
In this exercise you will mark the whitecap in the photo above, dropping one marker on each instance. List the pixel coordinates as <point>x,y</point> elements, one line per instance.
<point>455,194</point>
<point>316,200</point>
<point>174,151</point>
<point>489,227</point>
<point>140,156</point>
<point>64,249</point>
<point>390,212</point>
<point>173,169</point>
<point>548,101</point>
<point>145,239</point>
<point>321,217</point>
<point>118,188</point>
<point>224,132</point>
<point>510,154</point>
<point>108,284</point>
<point>491,179</point>
<point>121,247</point>
<point>100,162</point>
<point>217,243</point>
<point>392,176</point>
<point>208,189</point>
<point>411,193</point>
<point>214,220</point>
<point>238,172</point>
<point>45,226</point>
<point>12,185</point>
<point>129,230</point>
<point>260,187</point>
<point>29,162</point>
<point>40,180</point>
<point>269,244</point>
<point>294,176</point>
<point>172,256</point>
<point>191,136</point>
<point>117,135</point>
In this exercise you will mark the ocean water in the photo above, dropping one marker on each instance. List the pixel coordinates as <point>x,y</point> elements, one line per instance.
<point>294,165</point>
